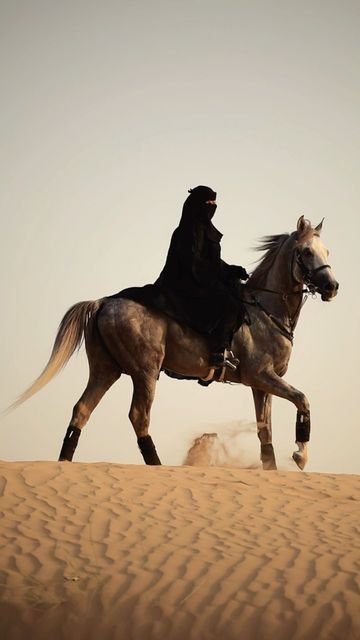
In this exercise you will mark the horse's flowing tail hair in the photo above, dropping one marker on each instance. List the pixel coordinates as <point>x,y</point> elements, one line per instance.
<point>68,338</point>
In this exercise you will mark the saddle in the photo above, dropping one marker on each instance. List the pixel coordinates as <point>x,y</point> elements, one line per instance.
<point>153,296</point>
<point>214,375</point>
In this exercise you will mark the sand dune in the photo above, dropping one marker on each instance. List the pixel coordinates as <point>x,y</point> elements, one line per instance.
<point>100,551</point>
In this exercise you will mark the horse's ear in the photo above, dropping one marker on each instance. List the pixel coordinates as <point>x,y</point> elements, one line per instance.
<point>319,227</point>
<point>302,226</point>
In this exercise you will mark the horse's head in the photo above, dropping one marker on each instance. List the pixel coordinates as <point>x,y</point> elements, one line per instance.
<point>310,265</point>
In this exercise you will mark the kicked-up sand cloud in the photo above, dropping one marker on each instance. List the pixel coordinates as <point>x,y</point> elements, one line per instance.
<point>229,446</point>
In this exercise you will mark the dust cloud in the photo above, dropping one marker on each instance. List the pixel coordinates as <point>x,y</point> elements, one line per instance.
<point>235,446</point>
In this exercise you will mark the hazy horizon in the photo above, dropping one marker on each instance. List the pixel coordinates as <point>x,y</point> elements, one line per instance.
<point>109,115</point>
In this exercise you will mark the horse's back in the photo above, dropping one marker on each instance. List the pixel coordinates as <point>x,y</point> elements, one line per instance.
<point>141,338</point>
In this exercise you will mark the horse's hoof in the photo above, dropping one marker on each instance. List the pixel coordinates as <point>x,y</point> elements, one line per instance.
<point>268,457</point>
<point>269,465</point>
<point>300,459</point>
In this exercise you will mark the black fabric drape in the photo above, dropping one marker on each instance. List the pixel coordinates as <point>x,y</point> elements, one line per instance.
<point>195,286</point>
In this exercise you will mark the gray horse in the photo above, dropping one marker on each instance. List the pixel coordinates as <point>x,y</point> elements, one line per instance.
<point>121,336</point>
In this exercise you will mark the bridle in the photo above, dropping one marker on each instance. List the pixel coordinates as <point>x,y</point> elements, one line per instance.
<point>310,288</point>
<point>306,273</point>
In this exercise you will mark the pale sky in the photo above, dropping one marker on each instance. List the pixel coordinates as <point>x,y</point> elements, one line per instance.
<point>109,112</point>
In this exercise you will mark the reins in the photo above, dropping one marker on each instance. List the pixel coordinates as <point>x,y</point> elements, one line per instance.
<point>280,325</point>
<point>310,289</point>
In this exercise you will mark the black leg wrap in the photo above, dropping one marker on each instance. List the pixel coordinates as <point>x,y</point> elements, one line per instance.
<point>268,457</point>
<point>70,443</point>
<point>303,426</point>
<point>148,450</point>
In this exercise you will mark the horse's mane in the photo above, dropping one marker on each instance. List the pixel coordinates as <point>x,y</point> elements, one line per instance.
<point>272,245</point>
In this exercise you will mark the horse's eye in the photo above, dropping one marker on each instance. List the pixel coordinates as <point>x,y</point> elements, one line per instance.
<point>307,252</point>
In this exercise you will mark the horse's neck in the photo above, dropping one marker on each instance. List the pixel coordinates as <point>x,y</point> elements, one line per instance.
<point>286,303</point>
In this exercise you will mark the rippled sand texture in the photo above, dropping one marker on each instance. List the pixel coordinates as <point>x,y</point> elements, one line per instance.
<point>99,551</point>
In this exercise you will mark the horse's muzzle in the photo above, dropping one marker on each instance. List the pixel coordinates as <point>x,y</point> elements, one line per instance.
<point>329,290</point>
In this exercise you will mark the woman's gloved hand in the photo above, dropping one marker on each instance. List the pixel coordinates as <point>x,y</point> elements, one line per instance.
<point>239,272</point>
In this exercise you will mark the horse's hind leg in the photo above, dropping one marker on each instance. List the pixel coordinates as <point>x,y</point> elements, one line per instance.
<point>262,403</point>
<point>96,388</point>
<point>143,396</point>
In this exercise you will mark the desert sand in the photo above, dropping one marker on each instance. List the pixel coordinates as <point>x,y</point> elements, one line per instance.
<point>100,551</point>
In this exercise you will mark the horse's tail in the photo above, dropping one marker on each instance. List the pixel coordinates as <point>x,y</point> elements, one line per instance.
<point>68,338</point>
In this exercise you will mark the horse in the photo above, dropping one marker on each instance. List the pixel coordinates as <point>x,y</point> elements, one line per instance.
<point>124,337</point>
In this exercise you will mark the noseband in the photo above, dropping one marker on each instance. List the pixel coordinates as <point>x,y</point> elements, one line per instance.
<point>306,273</point>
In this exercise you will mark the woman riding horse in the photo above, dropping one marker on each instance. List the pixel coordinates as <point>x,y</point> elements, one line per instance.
<point>202,283</point>
<point>196,287</point>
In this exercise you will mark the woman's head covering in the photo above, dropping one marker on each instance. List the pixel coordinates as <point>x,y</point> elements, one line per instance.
<point>199,206</point>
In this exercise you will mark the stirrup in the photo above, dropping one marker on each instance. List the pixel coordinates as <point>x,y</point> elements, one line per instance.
<point>226,359</point>
<point>230,360</point>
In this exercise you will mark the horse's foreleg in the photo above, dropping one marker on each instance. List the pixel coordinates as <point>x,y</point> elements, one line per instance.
<point>302,438</point>
<point>143,396</point>
<point>92,395</point>
<point>271,383</point>
<point>262,403</point>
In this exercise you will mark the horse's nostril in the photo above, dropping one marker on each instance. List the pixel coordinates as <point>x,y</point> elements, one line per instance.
<point>331,286</point>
